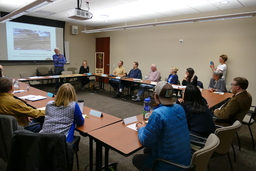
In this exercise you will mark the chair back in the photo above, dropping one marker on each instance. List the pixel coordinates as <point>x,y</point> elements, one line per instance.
<point>34,151</point>
<point>200,84</point>
<point>66,72</point>
<point>25,74</point>
<point>201,157</point>
<point>226,135</point>
<point>42,71</point>
<point>73,69</point>
<point>8,124</point>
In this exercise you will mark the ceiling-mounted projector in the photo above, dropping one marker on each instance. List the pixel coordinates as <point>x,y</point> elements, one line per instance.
<point>80,14</point>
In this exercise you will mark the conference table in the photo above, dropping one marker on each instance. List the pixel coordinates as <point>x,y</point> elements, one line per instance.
<point>109,131</point>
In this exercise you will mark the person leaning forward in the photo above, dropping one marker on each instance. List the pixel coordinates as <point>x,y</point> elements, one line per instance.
<point>236,107</point>
<point>17,108</point>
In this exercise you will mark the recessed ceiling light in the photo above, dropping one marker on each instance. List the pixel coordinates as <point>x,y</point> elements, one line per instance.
<point>224,2</point>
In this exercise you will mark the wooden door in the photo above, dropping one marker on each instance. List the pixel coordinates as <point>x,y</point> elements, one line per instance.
<point>103,45</point>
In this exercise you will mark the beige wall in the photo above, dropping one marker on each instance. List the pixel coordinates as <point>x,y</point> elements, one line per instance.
<point>203,42</point>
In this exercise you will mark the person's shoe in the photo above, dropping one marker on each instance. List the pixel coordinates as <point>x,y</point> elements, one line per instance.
<point>117,94</point>
<point>134,97</point>
<point>82,87</point>
<point>137,99</point>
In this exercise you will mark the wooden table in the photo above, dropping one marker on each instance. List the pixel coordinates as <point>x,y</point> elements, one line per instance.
<point>33,91</point>
<point>116,136</point>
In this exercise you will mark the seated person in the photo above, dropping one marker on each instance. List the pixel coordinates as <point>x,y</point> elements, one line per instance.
<point>154,75</point>
<point>173,77</point>
<point>199,117</point>
<point>135,72</point>
<point>1,71</point>
<point>236,107</point>
<point>119,72</point>
<point>190,77</point>
<point>63,114</point>
<point>166,134</point>
<point>9,105</point>
<point>83,70</point>
<point>217,83</point>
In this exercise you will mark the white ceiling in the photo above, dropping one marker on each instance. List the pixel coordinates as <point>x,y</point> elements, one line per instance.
<point>108,12</point>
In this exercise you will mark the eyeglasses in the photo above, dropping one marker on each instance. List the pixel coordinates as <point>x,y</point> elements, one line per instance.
<point>233,84</point>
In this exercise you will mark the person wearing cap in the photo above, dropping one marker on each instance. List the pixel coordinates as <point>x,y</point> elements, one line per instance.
<point>222,66</point>
<point>59,61</point>
<point>173,77</point>
<point>154,75</point>
<point>166,134</point>
<point>217,83</point>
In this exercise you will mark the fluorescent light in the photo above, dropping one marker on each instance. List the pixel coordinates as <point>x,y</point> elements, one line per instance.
<point>224,2</point>
<point>21,11</point>
<point>38,6</point>
<point>183,21</point>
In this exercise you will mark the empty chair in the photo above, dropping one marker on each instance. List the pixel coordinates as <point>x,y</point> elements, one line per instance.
<point>73,69</point>
<point>26,74</point>
<point>248,120</point>
<point>45,152</point>
<point>200,84</point>
<point>199,159</point>
<point>42,71</point>
<point>73,81</point>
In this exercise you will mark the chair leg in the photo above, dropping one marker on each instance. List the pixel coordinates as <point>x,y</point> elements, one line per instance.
<point>77,161</point>
<point>231,166</point>
<point>251,136</point>
<point>234,152</point>
<point>238,139</point>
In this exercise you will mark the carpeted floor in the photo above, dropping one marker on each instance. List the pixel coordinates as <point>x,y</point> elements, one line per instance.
<point>102,100</point>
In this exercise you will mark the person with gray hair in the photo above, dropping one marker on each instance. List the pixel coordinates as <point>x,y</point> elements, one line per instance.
<point>154,75</point>
<point>217,83</point>
<point>59,61</point>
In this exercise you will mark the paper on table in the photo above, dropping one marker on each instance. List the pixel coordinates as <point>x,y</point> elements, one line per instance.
<point>18,91</point>
<point>41,108</point>
<point>133,126</point>
<point>33,97</point>
<point>153,82</point>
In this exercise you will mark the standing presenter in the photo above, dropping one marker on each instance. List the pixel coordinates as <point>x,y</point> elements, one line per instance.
<point>59,61</point>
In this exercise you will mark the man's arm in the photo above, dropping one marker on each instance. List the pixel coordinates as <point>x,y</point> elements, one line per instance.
<point>230,109</point>
<point>62,59</point>
<point>156,76</point>
<point>21,108</point>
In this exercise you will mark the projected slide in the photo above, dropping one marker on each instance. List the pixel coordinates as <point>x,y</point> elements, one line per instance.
<point>30,42</point>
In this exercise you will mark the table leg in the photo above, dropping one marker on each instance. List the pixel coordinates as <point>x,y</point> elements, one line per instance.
<point>98,156</point>
<point>91,154</point>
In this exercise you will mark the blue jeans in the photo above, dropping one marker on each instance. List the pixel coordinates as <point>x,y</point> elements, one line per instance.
<point>35,128</point>
<point>57,71</point>
<point>114,83</point>
<point>143,88</point>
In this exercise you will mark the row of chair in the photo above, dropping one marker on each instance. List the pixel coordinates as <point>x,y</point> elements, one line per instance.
<point>215,145</point>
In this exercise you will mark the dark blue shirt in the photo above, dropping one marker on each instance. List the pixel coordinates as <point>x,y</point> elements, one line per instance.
<point>135,73</point>
<point>172,79</point>
<point>59,60</point>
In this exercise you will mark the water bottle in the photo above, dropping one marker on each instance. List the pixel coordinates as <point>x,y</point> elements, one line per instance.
<point>147,107</point>
<point>16,85</point>
<point>81,105</point>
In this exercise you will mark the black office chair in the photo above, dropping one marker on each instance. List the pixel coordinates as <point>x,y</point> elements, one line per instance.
<point>34,151</point>
<point>200,84</point>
